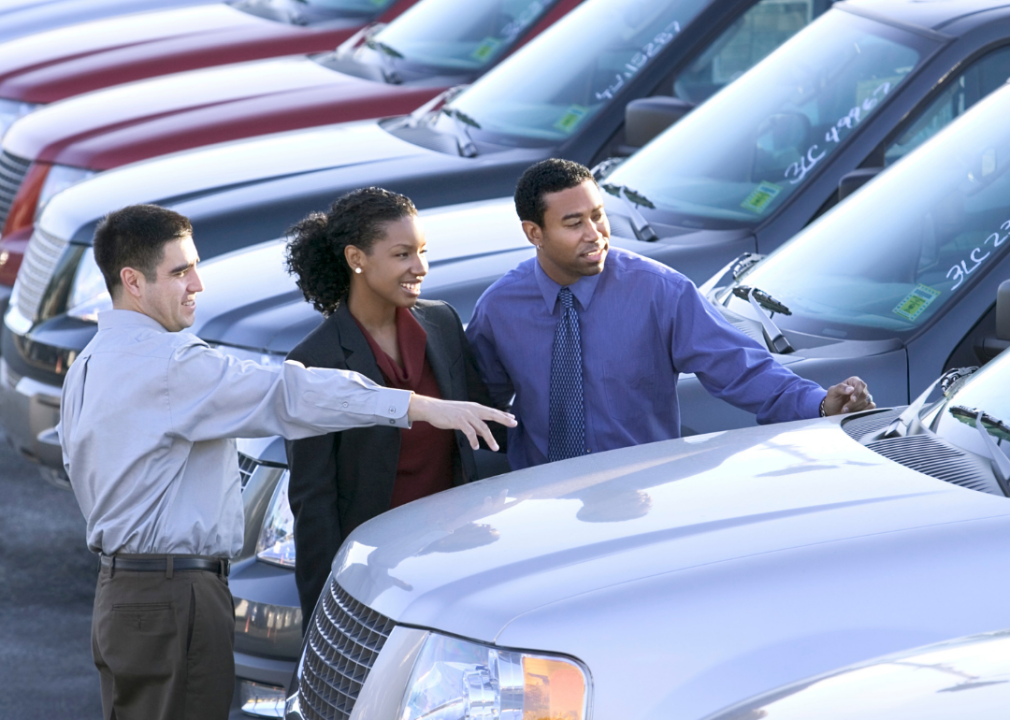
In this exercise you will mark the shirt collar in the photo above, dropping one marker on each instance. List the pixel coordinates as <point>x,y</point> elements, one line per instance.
<point>582,289</point>
<point>108,319</point>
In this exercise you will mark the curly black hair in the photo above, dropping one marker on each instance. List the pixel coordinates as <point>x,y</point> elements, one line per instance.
<point>547,176</point>
<point>315,252</point>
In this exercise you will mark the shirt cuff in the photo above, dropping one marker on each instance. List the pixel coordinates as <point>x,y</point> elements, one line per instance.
<point>392,407</point>
<point>813,402</point>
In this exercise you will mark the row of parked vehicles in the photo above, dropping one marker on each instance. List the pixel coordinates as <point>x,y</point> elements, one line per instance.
<point>738,141</point>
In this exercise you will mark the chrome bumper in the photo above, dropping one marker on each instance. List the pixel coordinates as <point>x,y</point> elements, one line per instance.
<point>29,412</point>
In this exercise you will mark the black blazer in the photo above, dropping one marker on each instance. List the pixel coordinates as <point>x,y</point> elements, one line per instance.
<point>340,480</point>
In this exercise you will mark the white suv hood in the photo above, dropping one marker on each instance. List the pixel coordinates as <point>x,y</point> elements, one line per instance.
<point>692,573</point>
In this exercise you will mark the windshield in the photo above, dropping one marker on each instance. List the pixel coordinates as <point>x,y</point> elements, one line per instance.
<point>454,35</point>
<point>891,257</point>
<point>987,390</point>
<point>575,68</point>
<point>733,161</point>
<point>309,12</point>
<point>365,7</point>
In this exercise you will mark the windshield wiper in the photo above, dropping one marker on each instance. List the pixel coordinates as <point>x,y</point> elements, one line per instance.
<point>759,300</point>
<point>632,199</point>
<point>980,418</point>
<point>460,122</point>
<point>903,424</point>
<point>387,54</point>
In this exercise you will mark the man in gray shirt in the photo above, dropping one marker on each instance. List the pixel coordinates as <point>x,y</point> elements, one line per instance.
<point>147,421</point>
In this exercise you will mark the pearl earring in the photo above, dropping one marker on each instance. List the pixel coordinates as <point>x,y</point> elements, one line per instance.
<point>357,270</point>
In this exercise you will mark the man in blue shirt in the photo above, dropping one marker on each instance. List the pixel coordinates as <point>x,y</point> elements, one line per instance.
<point>590,339</point>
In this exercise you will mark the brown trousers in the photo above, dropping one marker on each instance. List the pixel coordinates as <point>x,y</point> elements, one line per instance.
<point>164,646</point>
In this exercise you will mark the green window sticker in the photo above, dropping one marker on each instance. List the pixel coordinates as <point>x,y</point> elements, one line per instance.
<point>572,117</point>
<point>761,198</point>
<point>486,48</point>
<point>916,301</point>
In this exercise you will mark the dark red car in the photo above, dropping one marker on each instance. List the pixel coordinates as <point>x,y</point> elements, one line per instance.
<point>434,45</point>
<point>59,63</point>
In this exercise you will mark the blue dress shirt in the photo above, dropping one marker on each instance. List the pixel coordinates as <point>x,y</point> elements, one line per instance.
<point>642,324</point>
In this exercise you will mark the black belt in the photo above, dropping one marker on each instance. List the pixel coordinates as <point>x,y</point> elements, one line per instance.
<point>221,566</point>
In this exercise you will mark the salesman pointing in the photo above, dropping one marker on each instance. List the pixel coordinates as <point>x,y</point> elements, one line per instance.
<point>147,418</point>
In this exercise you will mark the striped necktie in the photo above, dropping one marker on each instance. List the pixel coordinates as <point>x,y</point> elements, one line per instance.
<point>567,434</point>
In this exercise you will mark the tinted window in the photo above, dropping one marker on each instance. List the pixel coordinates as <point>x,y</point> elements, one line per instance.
<point>561,79</point>
<point>734,160</point>
<point>457,34</point>
<point>743,45</point>
<point>981,78</point>
<point>888,259</point>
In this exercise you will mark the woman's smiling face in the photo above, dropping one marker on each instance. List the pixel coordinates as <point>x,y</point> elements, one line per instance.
<point>394,267</point>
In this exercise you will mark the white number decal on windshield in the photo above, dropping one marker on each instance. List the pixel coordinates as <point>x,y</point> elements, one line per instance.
<point>511,31</point>
<point>639,60</point>
<point>960,271</point>
<point>799,169</point>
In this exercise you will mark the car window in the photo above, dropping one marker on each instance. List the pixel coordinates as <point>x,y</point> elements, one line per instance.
<point>736,159</point>
<point>743,45</point>
<point>981,78</point>
<point>566,75</point>
<point>361,6</point>
<point>893,256</point>
<point>457,35</point>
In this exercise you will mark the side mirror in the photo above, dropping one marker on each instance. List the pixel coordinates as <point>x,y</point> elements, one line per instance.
<point>986,348</point>
<point>855,180</point>
<point>645,118</point>
<point>1003,311</point>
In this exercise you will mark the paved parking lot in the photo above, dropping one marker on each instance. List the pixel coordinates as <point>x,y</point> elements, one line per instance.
<point>47,583</point>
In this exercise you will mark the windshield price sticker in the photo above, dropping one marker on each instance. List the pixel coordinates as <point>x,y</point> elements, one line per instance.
<point>916,301</point>
<point>761,197</point>
<point>639,60</point>
<point>572,117</point>
<point>799,169</point>
<point>960,271</point>
<point>486,48</point>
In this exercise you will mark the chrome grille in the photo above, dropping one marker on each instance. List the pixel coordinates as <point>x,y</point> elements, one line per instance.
<point>12,173</point>
<point>246,467</point>
<point>937,458</point>
<point>44,250</point>
<point>860,426</point>
<point>344,640</point>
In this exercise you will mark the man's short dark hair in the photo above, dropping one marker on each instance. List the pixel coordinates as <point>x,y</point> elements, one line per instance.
<point>315,253</point>
<point>135,237</point>
<point>547,176</point>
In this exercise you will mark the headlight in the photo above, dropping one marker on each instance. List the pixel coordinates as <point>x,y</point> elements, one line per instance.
<point>277,538</point>
<point>11,110</point>
<point>59,178</point>
<point>88,294</point>
<point>456,679</point>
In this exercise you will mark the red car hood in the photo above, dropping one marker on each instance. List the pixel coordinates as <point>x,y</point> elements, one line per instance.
<point>124,124</point>
<point>57,64</point>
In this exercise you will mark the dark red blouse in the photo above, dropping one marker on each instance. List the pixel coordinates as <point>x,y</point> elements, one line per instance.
<point>426,453</point>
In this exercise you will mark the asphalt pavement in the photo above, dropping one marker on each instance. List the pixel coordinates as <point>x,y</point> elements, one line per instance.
<point>47,585</point>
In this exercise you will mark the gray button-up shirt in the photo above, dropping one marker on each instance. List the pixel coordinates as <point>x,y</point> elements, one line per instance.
<point>147,421</point>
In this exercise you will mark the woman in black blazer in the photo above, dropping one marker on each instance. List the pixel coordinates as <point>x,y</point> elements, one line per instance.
<point>361,265</point>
